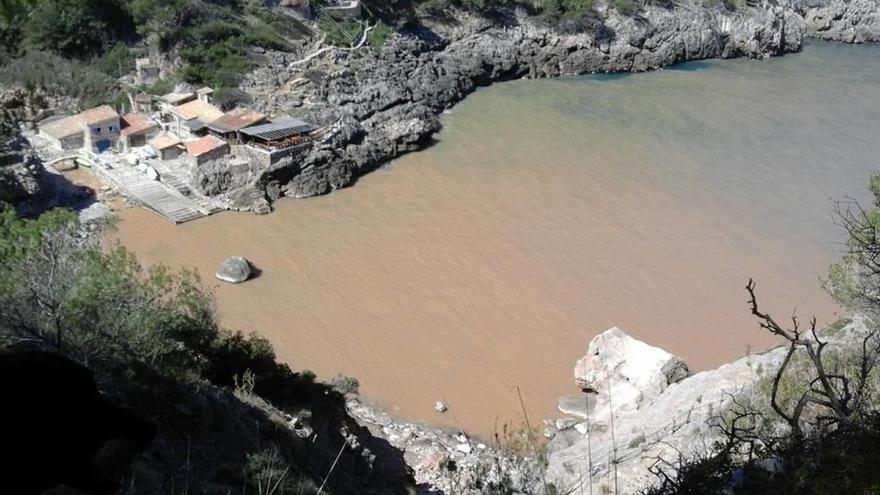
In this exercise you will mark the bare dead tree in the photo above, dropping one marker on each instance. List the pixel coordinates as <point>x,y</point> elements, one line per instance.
<point>739,427</point>
<point>831,391</point>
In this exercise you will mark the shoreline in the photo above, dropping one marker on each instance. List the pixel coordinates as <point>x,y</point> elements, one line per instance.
<point>390,105</point>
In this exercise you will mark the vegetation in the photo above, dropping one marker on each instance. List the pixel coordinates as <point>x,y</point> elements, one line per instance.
<point>813,425</point>
<point>60,291</point>
<point>92,41</point>
<point>340,33</point>
<point>378,35</point>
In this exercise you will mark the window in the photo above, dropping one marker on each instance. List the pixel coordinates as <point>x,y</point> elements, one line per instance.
<point>111,128</point>
<point>97,130</point>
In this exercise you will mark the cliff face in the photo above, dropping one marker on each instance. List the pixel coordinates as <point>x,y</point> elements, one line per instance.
<point>21,171</point>
<point>644,409</point>
<point>384,104</point>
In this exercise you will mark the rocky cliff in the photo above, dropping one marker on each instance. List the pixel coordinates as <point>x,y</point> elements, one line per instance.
<point>642,407</point>
<point>382,104</point>
<point>22,176</point>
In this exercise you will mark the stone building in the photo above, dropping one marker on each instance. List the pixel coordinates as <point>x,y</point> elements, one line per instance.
<point>142,103</point>
<point>167,147</point>
<point>205,94</point>
<point>207,148</point>
<point>230,123</point>
<point>269,143</point>
<point>137,128</point>
<point>342,9</point>
<point>96,129</point>
<point>65,132</point>
<point>147,70</point>
<point>102,127</point>
<point>191,118</point>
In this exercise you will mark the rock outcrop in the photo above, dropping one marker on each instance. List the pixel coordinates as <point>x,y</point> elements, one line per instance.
<point>21,171</point>
<point>853,21</point>
<point>450,462</point>
<point>640,371</point>
<point>380,105</point>
<point>651,412</point>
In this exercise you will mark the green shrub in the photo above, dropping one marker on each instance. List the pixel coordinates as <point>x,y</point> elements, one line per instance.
<point>378,35</point>
<point>626,7</point>
<point>340,33</point>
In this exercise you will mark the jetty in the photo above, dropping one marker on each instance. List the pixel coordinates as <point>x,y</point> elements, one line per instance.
<point>171,198</point>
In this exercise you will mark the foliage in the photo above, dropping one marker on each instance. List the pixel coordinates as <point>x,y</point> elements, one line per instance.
<point>268,473</point>
<point>60,290</point>
<point>378,35</point>
<point>115,62</point>
<point>159,88</point>
<point>626,7</point>
<point>340,33</point>
<point>93,38</point>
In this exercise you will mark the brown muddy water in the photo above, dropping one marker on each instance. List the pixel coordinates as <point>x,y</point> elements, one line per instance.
<point>546,212</point>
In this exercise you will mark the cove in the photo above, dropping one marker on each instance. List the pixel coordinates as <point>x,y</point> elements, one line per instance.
<point>546,212</point>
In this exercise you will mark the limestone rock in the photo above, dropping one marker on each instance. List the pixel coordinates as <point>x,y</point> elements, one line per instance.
<point>234,270</point>
<point>656,412</point>
<point>634,369</point>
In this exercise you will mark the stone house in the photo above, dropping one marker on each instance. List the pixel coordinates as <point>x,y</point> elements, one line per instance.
<point>102,127</point>
<point>167,147</point>
<point>142,103</point>
<point>96,129</point>
<point>207,148</point>
<point>147,70</point>
<point>205,94</point>
<point>65,133</point>
<point>137,128</point>
<point>191,118</point>
<point>343,9</point>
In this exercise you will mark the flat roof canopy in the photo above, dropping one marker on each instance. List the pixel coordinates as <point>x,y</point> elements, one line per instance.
<point>279,129</point>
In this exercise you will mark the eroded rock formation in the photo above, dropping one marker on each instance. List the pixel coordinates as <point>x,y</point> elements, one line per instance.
<point>382,104</point>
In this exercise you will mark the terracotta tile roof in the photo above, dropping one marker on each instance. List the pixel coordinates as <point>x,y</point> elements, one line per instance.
<point>62,127</point>
<point>98,114</point>
<point>136,123</point>
<point>197,109</point>
<point>163,141</point>
<point>236,119</point>
<point>204,145</point>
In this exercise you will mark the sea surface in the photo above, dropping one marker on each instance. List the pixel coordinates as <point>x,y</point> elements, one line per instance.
<point>546,212</point>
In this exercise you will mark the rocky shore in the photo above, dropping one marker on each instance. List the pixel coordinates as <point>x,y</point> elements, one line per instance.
<point>446,461</point>
<point>643,407</point>
<point>383,104</point>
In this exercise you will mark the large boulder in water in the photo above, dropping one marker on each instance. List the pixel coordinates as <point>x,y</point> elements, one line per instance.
<point>234,270</point>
